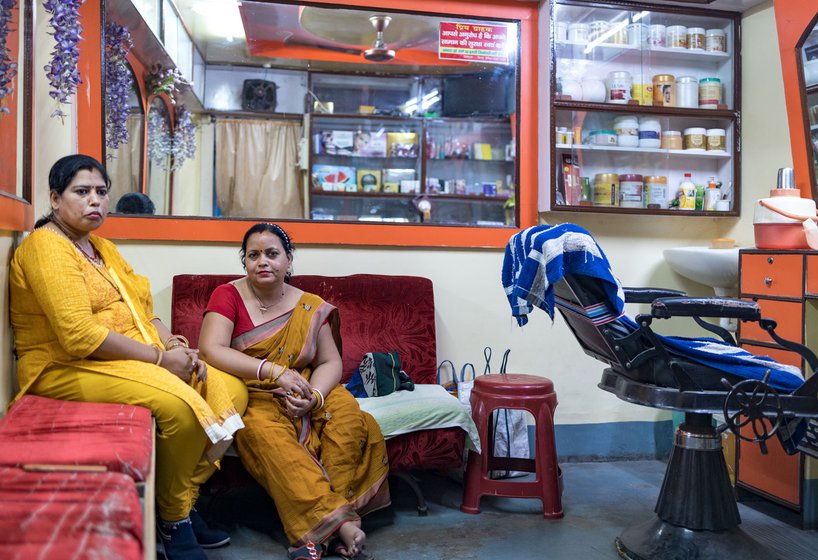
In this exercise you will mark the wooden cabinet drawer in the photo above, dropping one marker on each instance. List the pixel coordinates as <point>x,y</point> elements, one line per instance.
<point>788,315</point>
<point>776,474</point>
<point>812,274</point>
<point>778,354</point>
<point>772,275</point>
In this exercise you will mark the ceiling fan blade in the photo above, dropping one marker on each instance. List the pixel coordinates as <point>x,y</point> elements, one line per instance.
<point>344,50</point>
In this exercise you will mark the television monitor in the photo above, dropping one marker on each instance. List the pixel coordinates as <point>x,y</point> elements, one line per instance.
<point>478,94</point>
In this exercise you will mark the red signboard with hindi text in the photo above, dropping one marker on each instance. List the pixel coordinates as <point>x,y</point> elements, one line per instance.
<point>471,41</point>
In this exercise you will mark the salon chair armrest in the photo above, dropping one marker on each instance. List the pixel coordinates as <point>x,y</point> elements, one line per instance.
<point>647,295</point>
<point>664,308</point>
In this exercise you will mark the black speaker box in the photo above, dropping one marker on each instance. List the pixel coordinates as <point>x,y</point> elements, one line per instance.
<point>259,96</point>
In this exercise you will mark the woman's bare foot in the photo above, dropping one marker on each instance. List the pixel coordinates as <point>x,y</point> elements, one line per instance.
<point>353,537</point>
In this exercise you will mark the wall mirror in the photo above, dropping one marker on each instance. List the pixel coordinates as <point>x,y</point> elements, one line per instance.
<point>15,99</point>
<point>809,66</point>
<point>158,182</point>
<point>125,139</point>
<point>323,112</point>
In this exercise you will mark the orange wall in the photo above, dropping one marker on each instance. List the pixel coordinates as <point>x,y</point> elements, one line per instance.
<point>793,18</point>
<point>195,229</point>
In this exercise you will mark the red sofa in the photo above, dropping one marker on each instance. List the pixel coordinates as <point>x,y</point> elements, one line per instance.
<point>378,313</point>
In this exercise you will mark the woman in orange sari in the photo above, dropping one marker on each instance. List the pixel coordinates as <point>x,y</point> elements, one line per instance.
<point>321,459</point>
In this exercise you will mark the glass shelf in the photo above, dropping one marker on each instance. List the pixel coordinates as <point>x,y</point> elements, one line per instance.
<point>717,154</point>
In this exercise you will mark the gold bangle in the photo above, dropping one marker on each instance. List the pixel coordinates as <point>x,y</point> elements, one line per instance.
<point>280,373</point>
<point>179,339</point>
<point>159,353</point>
<point>319,399</point>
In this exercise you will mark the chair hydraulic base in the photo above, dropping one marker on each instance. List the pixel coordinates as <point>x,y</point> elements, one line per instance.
<point>697,516</point>
<point>658,540</point>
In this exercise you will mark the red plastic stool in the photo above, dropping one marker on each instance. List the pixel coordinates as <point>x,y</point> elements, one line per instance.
<point>518,391</point>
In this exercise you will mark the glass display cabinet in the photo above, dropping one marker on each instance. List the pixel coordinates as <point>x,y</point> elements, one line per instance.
<point>646,109</point>
<point>364,168</point>
<point>411,150</point>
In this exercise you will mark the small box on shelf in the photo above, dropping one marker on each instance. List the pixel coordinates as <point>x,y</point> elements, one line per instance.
<point>402,144</point>
<point>392,178</point>
<point>369,180</point>
<point>337,178</point>
<point>370,144</point>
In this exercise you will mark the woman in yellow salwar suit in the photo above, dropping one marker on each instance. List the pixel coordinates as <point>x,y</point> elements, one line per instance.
<point>321,459</point>
<point>84,330</point>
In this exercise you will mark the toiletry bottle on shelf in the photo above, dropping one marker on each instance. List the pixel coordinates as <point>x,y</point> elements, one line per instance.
<point>699,197</point>
<point>687,193</point>
<point>712,194</point>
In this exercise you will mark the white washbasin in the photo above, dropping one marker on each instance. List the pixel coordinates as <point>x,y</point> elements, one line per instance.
<point>717,268</point>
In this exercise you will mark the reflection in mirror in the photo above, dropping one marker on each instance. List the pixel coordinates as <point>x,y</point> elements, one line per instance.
<point>159,155</point>
<point>125,140</point>
<point>329,113</point>
<point>809,54</point>
<point>12,98</point>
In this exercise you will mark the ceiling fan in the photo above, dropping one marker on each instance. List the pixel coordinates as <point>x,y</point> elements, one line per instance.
<point>379,52</point>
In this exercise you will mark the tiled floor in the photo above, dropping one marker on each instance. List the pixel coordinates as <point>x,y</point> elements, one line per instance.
<point>600,500</point>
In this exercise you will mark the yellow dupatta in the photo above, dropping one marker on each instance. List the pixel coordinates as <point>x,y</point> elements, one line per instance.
<point>212,404</point>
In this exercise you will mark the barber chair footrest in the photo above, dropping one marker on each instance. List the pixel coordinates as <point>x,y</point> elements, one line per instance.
<point>657,540</point>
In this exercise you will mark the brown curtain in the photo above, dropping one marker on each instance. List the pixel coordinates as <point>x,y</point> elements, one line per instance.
<point>126,164</point>
<point>256,172</point>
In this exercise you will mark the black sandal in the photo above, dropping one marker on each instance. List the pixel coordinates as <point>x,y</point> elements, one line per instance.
<point>338,548</point>
<point>308,551</point>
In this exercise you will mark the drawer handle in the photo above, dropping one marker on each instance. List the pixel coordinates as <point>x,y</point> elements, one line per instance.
<point>768,280</point>
<point>770,260</point>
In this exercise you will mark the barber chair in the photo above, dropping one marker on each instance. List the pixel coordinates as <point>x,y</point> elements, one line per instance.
<point>696,513</point>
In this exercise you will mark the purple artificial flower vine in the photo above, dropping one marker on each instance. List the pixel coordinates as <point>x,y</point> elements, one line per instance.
<point>184,137</point>
<point>118,80</point>
<point>8,68</point>
<point>62,72</point>
<point>160,141</point>
<point>165,80</point>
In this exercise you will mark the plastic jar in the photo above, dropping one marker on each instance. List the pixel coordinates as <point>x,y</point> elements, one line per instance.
<point>630,191</point>
<point>716,140</point>
<point>695,38</point>
<point>637,34</point>
<point>676,37</point>
<point>619,85</point>
<point>627,131</point>
<point>656,35</point>
<point>671,140</point>
<point>664,90</point>
<point>597,28</point>
<point>618,37</point>
<point>642,90</point>
<point>715,40</point>
<point>687,92</point>
<point>655,191</point>
<point>578,33</point>
<point>709,93</point>
<point>695,138</point>
<point>606,189</point>
<point>602,138</point>
<point>649,132</point>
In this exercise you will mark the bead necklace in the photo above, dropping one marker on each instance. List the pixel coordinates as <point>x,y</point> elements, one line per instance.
<point>94,259</point>
<point>261,307</point>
